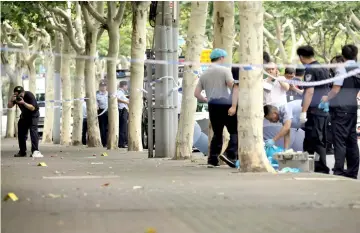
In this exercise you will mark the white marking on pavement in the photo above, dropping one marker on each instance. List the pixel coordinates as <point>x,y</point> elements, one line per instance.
<point>77,177</point>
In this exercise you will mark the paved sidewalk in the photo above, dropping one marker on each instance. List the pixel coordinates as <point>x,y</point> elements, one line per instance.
<point>128,193</point>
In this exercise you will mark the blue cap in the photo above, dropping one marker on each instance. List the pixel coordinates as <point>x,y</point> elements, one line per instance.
<point>216,53</point>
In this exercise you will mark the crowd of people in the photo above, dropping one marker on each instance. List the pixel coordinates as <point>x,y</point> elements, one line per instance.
<point>308,115</point>
<point>317,119</point>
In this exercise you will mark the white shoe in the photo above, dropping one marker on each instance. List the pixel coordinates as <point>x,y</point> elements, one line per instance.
<point>37,154</point>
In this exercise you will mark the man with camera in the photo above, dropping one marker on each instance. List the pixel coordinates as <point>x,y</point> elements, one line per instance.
<point>29,119</point>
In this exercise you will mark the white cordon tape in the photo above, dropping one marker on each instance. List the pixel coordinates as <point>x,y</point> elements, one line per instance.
<point>165,62</point>
<point>317,83</point>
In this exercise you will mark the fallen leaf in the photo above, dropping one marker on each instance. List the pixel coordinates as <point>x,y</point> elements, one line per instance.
<point>53,195</point>
<point>150,230</point>
<point>105,185</point>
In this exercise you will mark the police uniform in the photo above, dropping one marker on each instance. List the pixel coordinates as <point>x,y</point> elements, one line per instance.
<point>123,119</point>
<point>343,109</point>
<point>317,119</point>
<point>102,101</point>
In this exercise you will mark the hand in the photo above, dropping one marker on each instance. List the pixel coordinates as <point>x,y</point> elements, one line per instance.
<point>21,101</point>
<point>325,99</point>
<point>13,98</point>
<point>232,111</point>
<point>303,117</point>
<point>269,143</point>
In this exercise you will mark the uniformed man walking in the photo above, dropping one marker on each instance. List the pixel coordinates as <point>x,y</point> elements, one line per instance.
<point>123,102</point>
<point>315,119</point>
<point>343,109</point>
<point>216,81</point>
<point>102,101</point>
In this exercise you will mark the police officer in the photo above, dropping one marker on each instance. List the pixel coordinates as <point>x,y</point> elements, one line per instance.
<point>102,102</point>
<point>216,81</point>
<point>315,119</point>
<point>29,119</point>
<point>343,109</point>
<point>123,104</point>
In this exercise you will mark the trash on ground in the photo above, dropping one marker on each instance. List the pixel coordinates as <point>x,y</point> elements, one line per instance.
<point>150,230</point>
<point>104,154</point>
<point>137,187</point>
<point>51,195</point>
<point>11,196</point>
<point>42,164</point>
<point>289,170</point>
<point>97,163</point>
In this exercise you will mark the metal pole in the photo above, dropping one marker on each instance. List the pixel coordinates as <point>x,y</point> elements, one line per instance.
<point>150,111</point>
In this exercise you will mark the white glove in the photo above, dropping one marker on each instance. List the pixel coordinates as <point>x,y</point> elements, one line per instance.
<point>303,117</point>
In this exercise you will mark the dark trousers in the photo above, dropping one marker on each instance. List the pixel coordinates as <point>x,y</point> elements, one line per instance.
<point>345,144</point>
<point>123,127</point>
<point>218,114</point>
<point>84,131</point>
<point>24,125</point>
<point>329,137</point>
<point>315,139</point>
<point>103,126</point>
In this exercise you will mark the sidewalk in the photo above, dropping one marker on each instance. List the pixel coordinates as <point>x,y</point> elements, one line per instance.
<point>126,192</point>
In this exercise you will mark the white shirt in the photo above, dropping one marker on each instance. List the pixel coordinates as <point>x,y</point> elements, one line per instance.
<point>179,102</point>
<point>84,110</point>
<point>121,96</point>
<point>342,71</point>
<point>278,94</point>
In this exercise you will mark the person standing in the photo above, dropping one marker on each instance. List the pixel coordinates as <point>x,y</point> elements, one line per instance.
<point>123,104</point>
<point>102,102</point>
<point>278,89</point>
<point>217,81</point>
<point>343,109</point>
<point>315,119</point>
<point>29,120</point>
<point>84,129</point>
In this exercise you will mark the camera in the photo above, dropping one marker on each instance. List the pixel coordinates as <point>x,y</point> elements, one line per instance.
<point>18,98</point>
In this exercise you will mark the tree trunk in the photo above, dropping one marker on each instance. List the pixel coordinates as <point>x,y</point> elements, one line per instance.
<point>223,38</point>
<point>11,113</point>
<point>49,95</point>
<point>78,110</point>
<point>194,44</point>
<point>138,46</point>
<point>32,77</point>
<point>90,90</point>
<point>113,127</point>
<point>66,94</point>
<point>250,110</point>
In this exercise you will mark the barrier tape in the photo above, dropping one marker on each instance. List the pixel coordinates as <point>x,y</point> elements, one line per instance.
<point>318,83</point>
<point>188,63</point>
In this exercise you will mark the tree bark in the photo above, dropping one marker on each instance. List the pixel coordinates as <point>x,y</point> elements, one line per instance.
<point>49,92</point>
<point>250,110</point>
<point>138,47</point>
<point>194,44</point>
<point>66,94</point>
<point>32,76</point>
<point>224,31</point>
<point>113,127</point>
<point>78,110</point>
<point>91,36</point>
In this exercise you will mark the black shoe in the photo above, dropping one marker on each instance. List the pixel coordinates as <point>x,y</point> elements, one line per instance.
<point>228,161</point>
<point>19,154</point>
<point>213,162</point>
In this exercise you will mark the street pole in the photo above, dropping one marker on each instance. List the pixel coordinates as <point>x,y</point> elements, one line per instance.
<point>150,111</point>
<point>164,84</point>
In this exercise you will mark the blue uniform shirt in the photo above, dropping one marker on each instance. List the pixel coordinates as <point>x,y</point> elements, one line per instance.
<point>102,99</point>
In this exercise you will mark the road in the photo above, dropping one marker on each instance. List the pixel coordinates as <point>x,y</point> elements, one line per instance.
<point>127,192</point>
